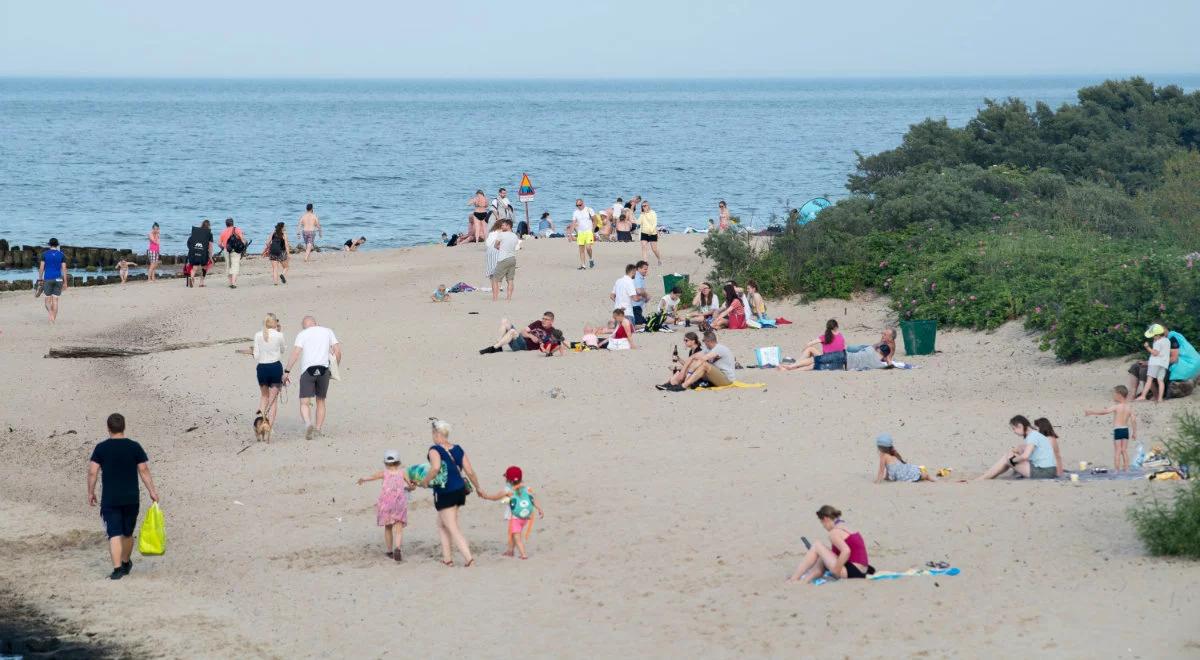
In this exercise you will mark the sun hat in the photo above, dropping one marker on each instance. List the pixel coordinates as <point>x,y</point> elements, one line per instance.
<point>391,456</point>
<point>883,440</point>
<point>1155,330</point>
<point>512,474</point>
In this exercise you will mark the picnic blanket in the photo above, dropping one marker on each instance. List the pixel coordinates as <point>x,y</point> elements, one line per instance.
<point>737,384</point>
<point>893,575</point>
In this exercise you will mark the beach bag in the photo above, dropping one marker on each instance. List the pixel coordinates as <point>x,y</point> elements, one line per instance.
<point>521,503</point>
<point>416,473</point>
<point>767,356</point>
<point>235,243</point>
<point>656,321</point>
<point>153,539</point>
<point>197,246</point>
<point>444,473</point>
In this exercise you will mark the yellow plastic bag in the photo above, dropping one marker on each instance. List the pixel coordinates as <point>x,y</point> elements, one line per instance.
<point>153,539</point>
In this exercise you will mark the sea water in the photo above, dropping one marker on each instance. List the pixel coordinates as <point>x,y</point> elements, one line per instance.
<point>97,161</point>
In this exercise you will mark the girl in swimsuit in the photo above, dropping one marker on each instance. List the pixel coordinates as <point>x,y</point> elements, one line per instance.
<point>845,557</point>
<point>477,219</point>
<point>723,222</point>
<point>152,254</point>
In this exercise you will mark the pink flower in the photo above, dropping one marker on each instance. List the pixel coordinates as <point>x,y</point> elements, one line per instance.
<point>972,297</point>
<point>933,286</point>
<point>913,302</point>
<point>1037,310</point>
<point>883,264</point>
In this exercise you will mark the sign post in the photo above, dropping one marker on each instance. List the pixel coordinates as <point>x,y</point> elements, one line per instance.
<point>526,193</point>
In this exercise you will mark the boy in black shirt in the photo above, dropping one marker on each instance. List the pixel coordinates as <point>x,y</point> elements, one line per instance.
<point>119,461</point>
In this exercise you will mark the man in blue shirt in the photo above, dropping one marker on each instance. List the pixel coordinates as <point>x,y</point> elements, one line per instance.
<point>52,277</point>
<point>639,284</point>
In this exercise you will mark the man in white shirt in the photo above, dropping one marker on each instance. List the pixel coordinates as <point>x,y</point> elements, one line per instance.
<point>669,304</point>
<point>315,346</point>
<point>502,208</point>
<point>506,243</point>
<point>624,292</point>
<point>581,224</point>
<point>614,213</point>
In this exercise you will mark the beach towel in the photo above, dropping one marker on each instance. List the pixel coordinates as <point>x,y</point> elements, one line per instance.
<point>779,320</point>
<point>892,575</point>
<point>737,384</point>
<point>462,287</point>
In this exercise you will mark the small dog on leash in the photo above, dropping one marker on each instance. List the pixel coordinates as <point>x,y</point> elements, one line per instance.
<point>262,428</point>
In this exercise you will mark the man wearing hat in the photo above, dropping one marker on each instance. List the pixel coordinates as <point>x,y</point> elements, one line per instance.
<point>52,277</point>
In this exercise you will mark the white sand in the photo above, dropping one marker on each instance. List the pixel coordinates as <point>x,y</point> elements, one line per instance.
<point>672,519</point>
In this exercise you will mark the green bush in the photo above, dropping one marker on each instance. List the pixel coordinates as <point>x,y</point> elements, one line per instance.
<point>1173,528</point>
<point>1020,214</point>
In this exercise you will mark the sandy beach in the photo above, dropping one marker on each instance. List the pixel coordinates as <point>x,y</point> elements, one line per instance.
<point>672,519</point>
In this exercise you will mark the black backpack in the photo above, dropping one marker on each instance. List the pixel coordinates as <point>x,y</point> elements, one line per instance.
<point>235,243</point>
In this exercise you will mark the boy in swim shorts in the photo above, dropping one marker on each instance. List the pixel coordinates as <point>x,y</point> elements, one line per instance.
<point>1124,425</point>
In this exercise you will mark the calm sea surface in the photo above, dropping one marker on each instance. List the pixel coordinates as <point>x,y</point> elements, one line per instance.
<point>95,162</point>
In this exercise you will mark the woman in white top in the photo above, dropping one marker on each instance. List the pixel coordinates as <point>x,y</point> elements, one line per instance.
<point>491,256</point>
<point>268,353</point>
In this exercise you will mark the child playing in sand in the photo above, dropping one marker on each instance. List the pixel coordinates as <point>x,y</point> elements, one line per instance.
<point>521,506</point>
<point>891,464</point>
<point>1159,362</point>
<point>441,295</point>
<point>1124,425</point>
<point>391,510</point>
<point>123,269</point>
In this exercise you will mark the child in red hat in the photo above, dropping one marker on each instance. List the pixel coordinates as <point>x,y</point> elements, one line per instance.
<point>521,506</point>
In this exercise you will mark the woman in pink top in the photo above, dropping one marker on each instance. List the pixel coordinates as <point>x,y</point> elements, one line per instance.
<point>830,342</point>
<point>846,556</point>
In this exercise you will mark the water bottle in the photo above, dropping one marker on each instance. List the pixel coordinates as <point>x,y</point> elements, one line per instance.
<point>1140,457</point>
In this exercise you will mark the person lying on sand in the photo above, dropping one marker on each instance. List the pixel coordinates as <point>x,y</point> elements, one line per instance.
<point>845,557</point>
<point>527,339</point>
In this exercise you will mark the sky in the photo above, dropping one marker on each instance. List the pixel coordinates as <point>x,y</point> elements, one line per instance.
<point>595,39</point>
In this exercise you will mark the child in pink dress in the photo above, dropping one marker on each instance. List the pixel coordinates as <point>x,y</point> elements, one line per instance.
<point>391,511</point>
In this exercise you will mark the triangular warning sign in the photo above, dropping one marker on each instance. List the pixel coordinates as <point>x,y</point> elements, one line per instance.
<point>526,192</point>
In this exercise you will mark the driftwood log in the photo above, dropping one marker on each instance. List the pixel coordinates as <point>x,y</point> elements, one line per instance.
<point>120,351</point>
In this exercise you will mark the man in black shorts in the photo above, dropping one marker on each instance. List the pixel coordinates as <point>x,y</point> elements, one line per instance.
<point>119,462</point>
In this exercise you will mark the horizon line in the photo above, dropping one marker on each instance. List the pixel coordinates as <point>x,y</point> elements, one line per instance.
<point>749,77</point>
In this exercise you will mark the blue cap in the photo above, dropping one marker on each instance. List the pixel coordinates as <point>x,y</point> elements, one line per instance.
<point>883,440</point>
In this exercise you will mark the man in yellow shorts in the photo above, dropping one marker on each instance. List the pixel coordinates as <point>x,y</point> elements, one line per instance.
<point>581,221</point>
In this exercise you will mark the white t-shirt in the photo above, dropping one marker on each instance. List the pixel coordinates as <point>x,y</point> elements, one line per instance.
<point>508,243</point>
<point>668,304</point>
<point>268,350</point>
<point>315,345</point>
<point>618,209</point>
<point>1163,346</point>
<point>624,290</point>
<point>583,218</point>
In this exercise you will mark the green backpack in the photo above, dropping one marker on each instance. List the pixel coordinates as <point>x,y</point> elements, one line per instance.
<point>521,503</point>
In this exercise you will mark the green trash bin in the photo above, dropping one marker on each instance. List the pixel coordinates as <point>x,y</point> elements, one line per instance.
<point>919,336</point>
<point>671,279</point>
